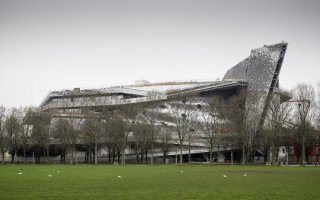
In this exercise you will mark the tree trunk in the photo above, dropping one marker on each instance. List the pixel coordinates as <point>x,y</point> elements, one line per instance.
<point>303,152</point>
<point>113,155</point>
<point>33,157</point>
<point>95,154</point>
<point>48,154</point>
<point>146,157</point>
<point>71,160</point>
<point>164,157</point>
<point>273,154</point>
<point>189,153</point>
<point>176,158</point>
<point>243,154</point>
<point>2,158</point>
<point>181,154</point>
<point>44,153</point>
<point>118,156</point>
<point>24,155</point>
<point>231,157</point>
<point>151,154</point>
<point>211,155</point>
<point>141,158</point>
<point>249,154</point>
<point>76,155</point>
<point>12,156</point>
<point>137,158</point>
<point>89,153</point>
<point>86,157</point>
<point>123,160</point>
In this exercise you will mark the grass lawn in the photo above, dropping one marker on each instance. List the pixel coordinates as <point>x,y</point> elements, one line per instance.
<point>158,182</point>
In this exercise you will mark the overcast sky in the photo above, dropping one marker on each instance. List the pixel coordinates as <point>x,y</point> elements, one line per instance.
<point>58,44</point>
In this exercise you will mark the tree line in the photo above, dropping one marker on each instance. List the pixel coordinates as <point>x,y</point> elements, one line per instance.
<point>217,122</point>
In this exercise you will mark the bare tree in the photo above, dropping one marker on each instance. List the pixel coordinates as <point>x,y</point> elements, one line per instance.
<point>191,135</point>
<point>61,129</point>
<point>41,134</point>
<point>108,135</point>
<point>93,127</point>
<point>13,127</point>
<point>141,139</point>
<point>150,117</point>
<point>304,95</point>
<point>209,126</point>
<point>4,138</point>
<point>73,136</point>
<point>317,107</point>
<point>138,137</point>
<point>129,114</point>
<point>317,121</point>
<point>116,135</point>
<point>234,110</point>
<point>244,118</point>
<point>75,118</point>
<point>183,114</point>
<point>165,137</point>
<point>26,117</point>
<point>252,119</point>
<point>277,116</point>
<point>87,136</point>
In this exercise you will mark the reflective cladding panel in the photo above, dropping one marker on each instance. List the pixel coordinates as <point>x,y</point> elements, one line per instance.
<point>263,64</point>
<point>239,71</point>
<point>260,70</point>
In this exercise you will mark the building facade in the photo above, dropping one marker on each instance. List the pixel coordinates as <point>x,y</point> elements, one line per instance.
<point>257,76</point>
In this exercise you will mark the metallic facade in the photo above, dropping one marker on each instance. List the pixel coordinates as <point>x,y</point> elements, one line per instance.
<point>259,73</point>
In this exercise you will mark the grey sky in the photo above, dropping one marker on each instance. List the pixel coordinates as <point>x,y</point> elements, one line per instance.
<point>48,45</point>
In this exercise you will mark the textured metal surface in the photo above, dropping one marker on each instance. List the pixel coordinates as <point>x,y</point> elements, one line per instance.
<point>261,70</point>
<point>238,72</point>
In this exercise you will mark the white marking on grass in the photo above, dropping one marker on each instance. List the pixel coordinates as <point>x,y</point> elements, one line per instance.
<point>224,176</point>
<point>20,173</point>
<point>245,174</point>
<point>49,175</point>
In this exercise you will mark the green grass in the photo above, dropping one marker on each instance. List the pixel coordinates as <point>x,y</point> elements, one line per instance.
<point>158,182</point>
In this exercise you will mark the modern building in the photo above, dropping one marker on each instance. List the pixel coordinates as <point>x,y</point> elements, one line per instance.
<point>257,74</point>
